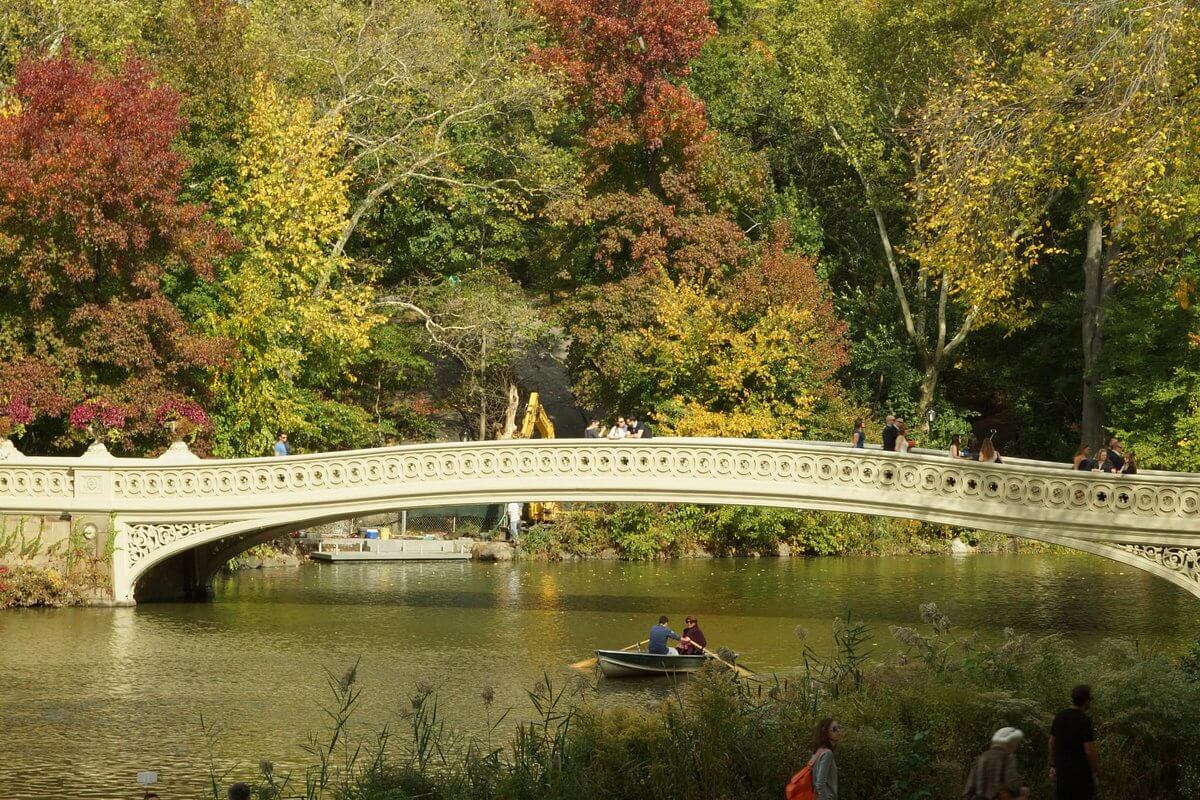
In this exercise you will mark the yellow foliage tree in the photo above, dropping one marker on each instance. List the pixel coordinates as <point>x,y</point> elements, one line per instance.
<point>711,366</point>
<point>292,305</point>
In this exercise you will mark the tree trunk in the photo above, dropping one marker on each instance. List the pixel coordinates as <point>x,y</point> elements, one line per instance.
<point>929,381</point>
<point>510,412</point>
<point>482,389</point>
<point>1095,290</point>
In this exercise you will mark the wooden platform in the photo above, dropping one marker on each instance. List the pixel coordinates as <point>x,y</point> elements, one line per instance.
<point>343,550</point>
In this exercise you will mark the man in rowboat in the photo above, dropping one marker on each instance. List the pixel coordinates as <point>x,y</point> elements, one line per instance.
<point>659,635</point>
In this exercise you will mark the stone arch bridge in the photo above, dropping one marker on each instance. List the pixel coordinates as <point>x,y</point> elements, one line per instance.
<point>175,519</point>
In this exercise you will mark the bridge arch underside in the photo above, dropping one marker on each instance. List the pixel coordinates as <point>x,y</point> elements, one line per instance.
<point>186,556</point>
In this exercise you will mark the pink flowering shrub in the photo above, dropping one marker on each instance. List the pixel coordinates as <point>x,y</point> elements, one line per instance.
<point>100,418</point>
<point>184,417</point>
<point>15,414</point>
<point>181,410</point>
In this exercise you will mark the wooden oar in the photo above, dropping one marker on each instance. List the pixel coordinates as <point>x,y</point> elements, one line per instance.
<point>588,663</point>
<point>741,672</point>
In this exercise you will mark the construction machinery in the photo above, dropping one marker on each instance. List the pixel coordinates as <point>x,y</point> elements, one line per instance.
<point>536,420</point>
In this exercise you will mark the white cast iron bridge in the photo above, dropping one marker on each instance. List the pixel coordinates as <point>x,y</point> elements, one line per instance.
<point>177,518</point>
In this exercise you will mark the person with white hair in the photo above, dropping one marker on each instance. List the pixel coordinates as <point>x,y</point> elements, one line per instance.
<point>994,775</point>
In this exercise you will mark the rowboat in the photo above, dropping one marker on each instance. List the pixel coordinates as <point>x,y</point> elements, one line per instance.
<point>626,664</point>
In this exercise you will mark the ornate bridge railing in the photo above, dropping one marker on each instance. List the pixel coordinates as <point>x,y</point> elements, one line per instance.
<point>166,506</point>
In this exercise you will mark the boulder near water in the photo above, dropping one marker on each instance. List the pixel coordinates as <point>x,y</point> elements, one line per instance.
<point>491,551</point>
<point>959,547</point>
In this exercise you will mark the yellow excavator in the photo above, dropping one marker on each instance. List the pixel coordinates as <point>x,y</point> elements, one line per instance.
<point>537,421</point>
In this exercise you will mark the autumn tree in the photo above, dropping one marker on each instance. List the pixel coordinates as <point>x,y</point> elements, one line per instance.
<point>1094,140</point>
<point>756,356</point>
<point>655,229</point>
<point>90,231</point>
<point>644,142</point>
<point>297,312</point>
<point>421,88</point>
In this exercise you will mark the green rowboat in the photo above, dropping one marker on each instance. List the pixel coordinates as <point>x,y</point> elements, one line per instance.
<point>626,664</point>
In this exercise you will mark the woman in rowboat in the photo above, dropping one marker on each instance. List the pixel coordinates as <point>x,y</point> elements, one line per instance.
<point>693,642</point>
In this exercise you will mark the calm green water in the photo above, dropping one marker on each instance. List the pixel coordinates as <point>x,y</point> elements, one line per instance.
<point>90,696</point>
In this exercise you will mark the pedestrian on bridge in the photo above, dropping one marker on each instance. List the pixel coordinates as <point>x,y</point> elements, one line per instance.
<point>858,438</point>
<point>890,432</point>
<point>1115,456</point>
<point>282,448</point>
<point>956,446</point>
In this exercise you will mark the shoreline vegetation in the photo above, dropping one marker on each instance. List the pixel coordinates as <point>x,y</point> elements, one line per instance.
<point>648,532</point>
<point>915,724</point>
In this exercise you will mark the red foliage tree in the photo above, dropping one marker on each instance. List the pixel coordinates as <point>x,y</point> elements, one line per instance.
<point>91,228</point>
<point>621,60</point>
<point>781,278</point>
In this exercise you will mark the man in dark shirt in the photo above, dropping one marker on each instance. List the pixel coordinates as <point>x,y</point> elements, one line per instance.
<point>890,432</point>
<point>1115,456</point>
<point>1073,766</point>
<point>658,638</point>
<point>639,429</point>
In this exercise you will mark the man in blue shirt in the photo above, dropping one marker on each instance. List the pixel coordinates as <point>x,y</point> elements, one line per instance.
<point>282,448</point>
<point>658,639</point>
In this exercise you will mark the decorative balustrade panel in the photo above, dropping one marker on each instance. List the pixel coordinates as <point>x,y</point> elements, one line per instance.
<point>28,481</point>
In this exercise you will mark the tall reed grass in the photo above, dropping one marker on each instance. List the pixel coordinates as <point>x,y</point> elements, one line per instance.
<point>915,723</point>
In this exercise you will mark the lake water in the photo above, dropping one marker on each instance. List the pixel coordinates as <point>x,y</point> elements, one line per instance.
<point>90,696</point>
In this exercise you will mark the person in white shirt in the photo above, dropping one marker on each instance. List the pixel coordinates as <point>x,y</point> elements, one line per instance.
<point>618,431</point>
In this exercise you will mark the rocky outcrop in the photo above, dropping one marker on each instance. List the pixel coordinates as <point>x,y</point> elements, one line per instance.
<point>266,562</point>
<point>959,547</point>
<point>492,551</point>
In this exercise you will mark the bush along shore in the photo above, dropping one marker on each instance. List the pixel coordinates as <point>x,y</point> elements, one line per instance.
<point>646,531</point>
<point>915,724</point>
<point>40,570</point>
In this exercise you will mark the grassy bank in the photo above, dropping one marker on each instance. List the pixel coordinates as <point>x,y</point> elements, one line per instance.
<point>643,532</point>
<point>915,724</point>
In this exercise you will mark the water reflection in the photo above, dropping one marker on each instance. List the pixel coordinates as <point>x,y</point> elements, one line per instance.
<point>92,695</point>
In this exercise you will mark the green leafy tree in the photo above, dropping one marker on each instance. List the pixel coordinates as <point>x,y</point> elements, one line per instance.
<point>429,93</point>
<point>481,327</point>
<point>831,90</point>
<point>1080,128</point>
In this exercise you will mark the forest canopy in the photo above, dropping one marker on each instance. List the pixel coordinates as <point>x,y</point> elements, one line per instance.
<point>363,222</point>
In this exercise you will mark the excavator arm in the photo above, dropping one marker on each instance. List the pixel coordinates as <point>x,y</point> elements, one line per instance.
<point>536,420</point>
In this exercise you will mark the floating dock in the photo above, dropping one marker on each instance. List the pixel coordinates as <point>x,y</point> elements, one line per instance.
<point>342,550</point>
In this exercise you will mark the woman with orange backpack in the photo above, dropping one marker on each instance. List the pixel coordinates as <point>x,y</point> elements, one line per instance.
<point>819,778</point>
